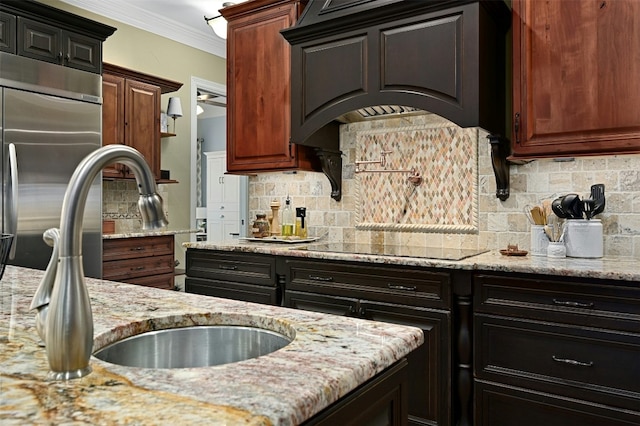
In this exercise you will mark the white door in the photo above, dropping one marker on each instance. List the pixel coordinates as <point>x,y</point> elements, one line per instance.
<point>226,200</point>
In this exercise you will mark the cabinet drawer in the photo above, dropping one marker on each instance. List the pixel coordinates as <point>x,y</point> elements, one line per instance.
<point>611,304</point>
<point>235,291</point>
<point>122,270</point>
<point>129,248</point>
<point>408,286</point>
<point>229,266</point>
<point>586,363</point>
<point>165,281</point>
<point>507,406</point>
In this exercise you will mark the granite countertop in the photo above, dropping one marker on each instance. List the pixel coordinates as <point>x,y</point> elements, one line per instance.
<point>329,357</point>
<point>604,268</point>
<point>150,233</point>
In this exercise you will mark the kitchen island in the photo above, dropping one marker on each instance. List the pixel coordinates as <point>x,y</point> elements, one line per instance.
<point>508,336</point>
<point>329,357</point>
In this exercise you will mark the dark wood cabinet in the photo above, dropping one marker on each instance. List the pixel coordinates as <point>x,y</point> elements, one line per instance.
<point>574,90</point>
<point>562,351</point>
<point>239,276</point>
<point>380,401</point>
<point>418,297</point>
<point>147,261</point>
<point>52,44</point>
<point>7,32</point>
<point>38,31</point>
<point>258,90</point>
<point>131,115</point>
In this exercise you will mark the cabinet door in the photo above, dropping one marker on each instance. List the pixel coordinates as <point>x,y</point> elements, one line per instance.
<point>259,99</point>
<point>574,90</point>
<point>82,52</point>
<point>223,189</point>
<point>429,365</point>
<point>7,33</point>
<point>142,121</point>
<point>112,118</point>
<point>39,41</point>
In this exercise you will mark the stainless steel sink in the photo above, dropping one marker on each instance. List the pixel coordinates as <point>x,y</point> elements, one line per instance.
<point>196,346</point>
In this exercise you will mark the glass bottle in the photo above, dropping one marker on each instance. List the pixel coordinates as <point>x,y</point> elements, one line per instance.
<point>301,223</point>
<point>288,219</point>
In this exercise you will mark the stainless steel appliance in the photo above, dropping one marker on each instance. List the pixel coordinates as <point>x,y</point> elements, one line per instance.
<point>52,115</point>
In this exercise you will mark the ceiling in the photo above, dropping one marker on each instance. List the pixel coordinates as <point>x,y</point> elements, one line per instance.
<point>178,20</point>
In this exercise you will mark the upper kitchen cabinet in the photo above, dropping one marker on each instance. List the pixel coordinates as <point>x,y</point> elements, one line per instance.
<point>131,115</point>
<point>575,68</point>
<point>41,32</point>
<point>258,90</point>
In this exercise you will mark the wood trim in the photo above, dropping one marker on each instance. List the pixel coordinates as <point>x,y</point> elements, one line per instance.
<point>166,86</point>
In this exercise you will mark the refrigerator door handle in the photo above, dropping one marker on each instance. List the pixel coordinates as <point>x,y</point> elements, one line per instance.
<point>12,220</point>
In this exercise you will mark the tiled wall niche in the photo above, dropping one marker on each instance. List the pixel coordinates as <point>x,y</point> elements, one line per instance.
<point>498,223</point>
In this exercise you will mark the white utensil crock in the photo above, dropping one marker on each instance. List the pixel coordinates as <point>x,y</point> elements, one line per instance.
<point>539,241</point>
<point>583,238</point>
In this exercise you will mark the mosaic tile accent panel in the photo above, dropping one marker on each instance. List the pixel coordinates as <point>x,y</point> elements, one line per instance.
<point>445,156</point>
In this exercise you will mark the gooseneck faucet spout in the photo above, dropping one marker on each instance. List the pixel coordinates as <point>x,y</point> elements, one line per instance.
<point>64,319</point>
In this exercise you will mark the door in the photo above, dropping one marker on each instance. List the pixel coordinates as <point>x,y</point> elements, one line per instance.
<point>51,136</point>
<point>226,200</point>
<point>142,122</point>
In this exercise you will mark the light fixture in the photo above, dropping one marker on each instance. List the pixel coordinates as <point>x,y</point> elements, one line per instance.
<point>218,23</point>
<point>199,110</point>
<point>174,110</point>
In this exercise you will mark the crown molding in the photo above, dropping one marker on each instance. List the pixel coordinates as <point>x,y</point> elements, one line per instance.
<point>128,13</point>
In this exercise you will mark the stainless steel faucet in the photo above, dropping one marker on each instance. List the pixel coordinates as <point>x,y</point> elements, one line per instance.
<point>64,320</point>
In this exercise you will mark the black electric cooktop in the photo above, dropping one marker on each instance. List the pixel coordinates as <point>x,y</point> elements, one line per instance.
<point>395,250</point>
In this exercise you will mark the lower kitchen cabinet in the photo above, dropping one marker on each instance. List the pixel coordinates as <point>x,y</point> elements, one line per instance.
<point>233,275</point>
<point>147,261</point>
<point>381,401</point>
<point>556,351</point>
<point>362,290</point>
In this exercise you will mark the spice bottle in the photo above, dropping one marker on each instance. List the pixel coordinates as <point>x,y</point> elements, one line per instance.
<point>301,222</point>
<point>288,219</point>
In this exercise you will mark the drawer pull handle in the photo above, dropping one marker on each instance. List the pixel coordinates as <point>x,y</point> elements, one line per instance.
<point>572,361</point>
<point>573,304</point>
<point>318,278</point>
<point>138,268</point>
<point>401,287</point>
<point>228,268</point>
<point>139,248</point>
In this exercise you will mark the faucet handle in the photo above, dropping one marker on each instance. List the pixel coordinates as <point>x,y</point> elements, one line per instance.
<point>43,294</point>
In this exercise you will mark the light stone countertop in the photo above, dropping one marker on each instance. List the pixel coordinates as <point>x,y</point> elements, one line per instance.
<point>330,356</point>
<point>627,269</point>
<point>150,233</point>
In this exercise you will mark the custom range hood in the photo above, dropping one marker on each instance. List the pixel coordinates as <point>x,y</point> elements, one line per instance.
<point>440,56</point>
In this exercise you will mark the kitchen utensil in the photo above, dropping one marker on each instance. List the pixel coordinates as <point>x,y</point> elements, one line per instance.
<point>597,195</point>
<point>573,206</point>
<point>557,209</point>
<point>538,215</point>
<point>527,213</point>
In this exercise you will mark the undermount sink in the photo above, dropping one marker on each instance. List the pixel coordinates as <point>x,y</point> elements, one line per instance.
<point>194,346</point>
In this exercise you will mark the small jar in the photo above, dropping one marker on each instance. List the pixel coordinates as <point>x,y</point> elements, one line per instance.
<point>260,227</point>
<point>556,250</point>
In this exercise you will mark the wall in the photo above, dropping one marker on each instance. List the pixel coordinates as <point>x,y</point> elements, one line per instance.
<point>142,51</point>
<point>498,223</point>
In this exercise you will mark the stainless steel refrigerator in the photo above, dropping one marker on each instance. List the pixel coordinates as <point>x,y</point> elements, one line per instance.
<point>53,117</point>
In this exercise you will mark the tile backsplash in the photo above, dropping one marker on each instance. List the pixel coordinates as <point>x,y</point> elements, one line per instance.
<point>455,206</point>
<point>120,204</point>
